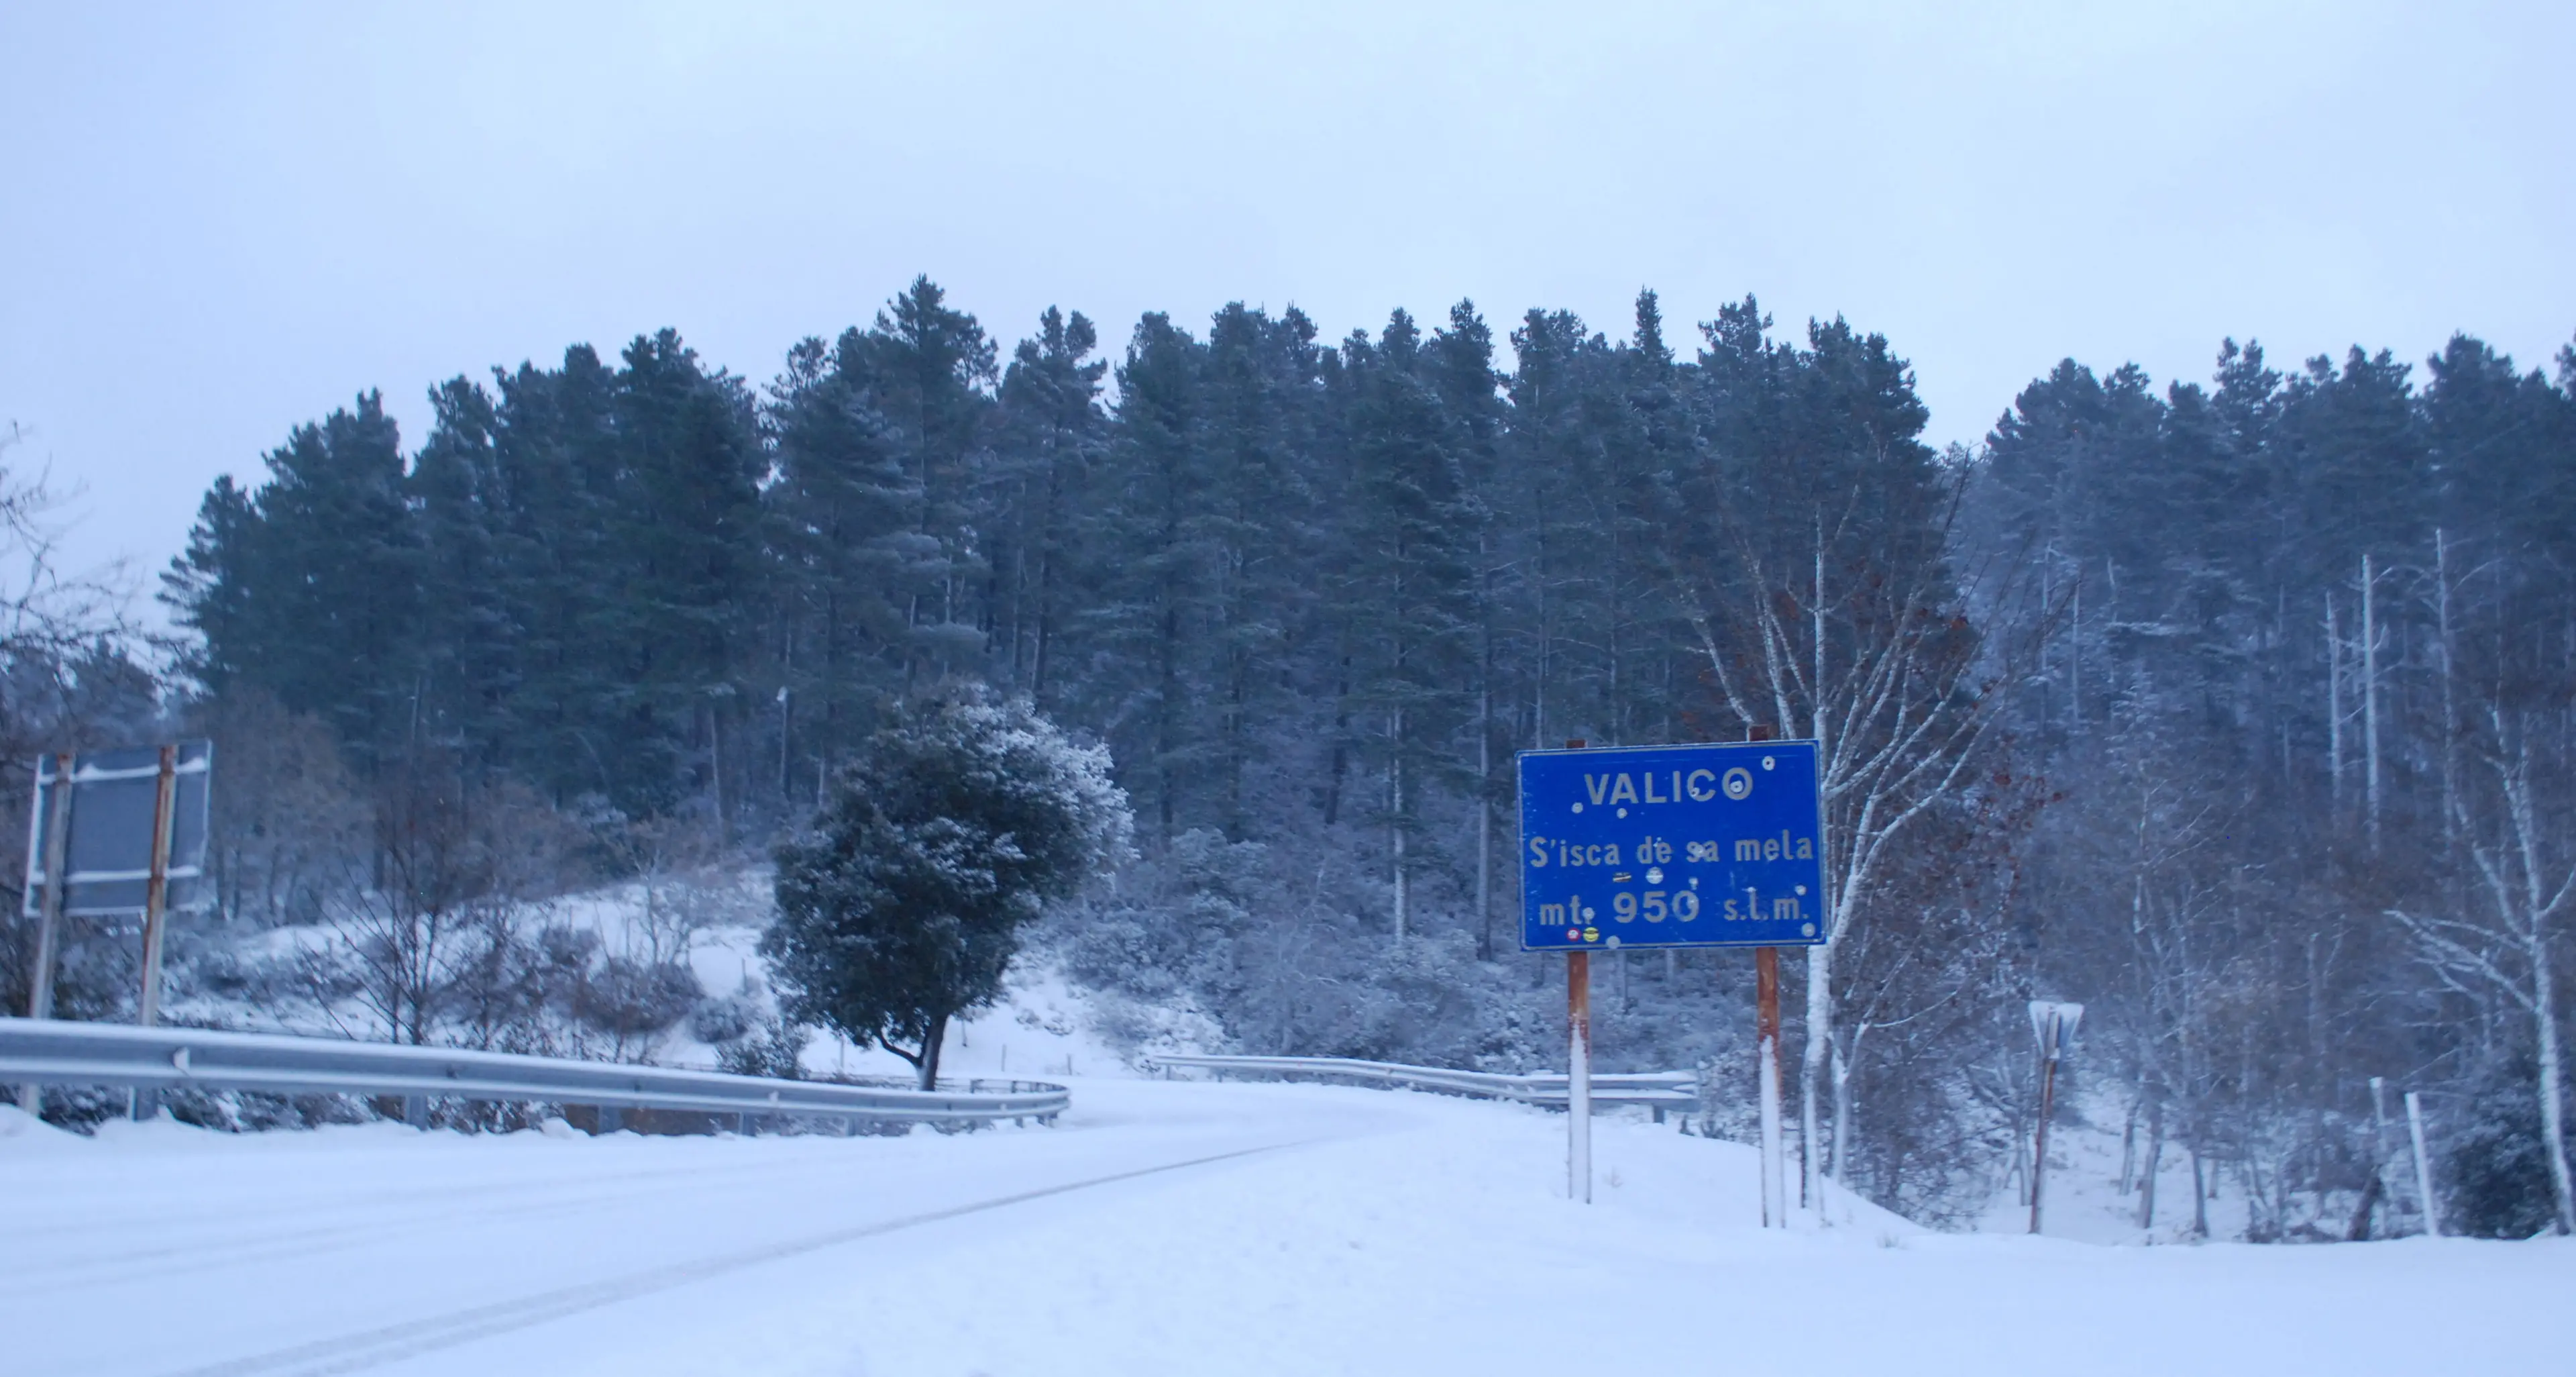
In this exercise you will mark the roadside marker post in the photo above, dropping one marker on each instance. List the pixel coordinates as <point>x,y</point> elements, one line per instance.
<point>1663,848</point>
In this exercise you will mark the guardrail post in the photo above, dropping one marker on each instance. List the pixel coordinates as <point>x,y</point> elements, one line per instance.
<point>745,1126</point>
<point>416,1110</point>
<point>611,1119</point>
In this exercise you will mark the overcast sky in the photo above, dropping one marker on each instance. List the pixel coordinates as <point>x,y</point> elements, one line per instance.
<point>220,220</point>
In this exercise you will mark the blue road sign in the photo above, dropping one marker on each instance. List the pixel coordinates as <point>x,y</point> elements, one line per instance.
<point>1672,846</point>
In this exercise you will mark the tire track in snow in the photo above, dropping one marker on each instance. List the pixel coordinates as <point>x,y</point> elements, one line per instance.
<point>414,1338</point>
<point>184,1254</point>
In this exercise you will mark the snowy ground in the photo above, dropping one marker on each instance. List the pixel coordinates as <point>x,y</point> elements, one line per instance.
<point>1161,1228</point>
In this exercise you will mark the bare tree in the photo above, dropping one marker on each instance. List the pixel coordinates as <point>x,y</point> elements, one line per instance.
<point>454,863</point>
<point>69,680</point>
<point>292,821</point>
<point>1864,645</point>
<point>2525,876</point>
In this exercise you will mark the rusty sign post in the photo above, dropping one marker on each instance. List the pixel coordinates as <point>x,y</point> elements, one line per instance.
<point>1766,1033</point>
<point>1766,1068</point>
<point>2053,1024</point>
<point>1578,1068</point>
<point>1578,1076</point>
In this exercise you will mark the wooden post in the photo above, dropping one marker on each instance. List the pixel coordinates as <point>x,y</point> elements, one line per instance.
<point>2053,1023</point>
<point>2039,1148</point>
<point>156,894</point>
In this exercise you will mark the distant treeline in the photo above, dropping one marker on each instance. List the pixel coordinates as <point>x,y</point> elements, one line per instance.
<point>1285,580</point>
<point>2262,677</point>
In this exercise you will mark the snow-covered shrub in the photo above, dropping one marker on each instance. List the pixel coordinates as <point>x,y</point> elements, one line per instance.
<point>252,1111</point>
<point>632,999</point>
<point>2494,1175</point>
<point>777,1053</point>
<point>725,1018</point>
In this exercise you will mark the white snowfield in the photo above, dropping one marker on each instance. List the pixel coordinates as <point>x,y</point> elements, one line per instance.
<point>1162,1228</point>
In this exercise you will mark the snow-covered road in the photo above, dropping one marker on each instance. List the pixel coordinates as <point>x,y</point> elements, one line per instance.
<point>1162,1228</point>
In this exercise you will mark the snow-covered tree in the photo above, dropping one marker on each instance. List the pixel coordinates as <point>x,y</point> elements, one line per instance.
<point>902,907</point>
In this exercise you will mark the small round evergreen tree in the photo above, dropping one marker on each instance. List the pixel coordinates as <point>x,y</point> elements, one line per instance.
<point>901,907</point>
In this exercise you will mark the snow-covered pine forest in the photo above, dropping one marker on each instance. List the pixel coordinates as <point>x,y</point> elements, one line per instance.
<point>2237,709</point>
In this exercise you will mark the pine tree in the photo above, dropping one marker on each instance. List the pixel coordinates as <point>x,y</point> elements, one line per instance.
<point>1053,431</point>
<point>688,529</point>
<point>932,369</point>
<point>1406,586</point>
<point>469,642</point>
<point>309,589</point>
<point>1157,551</point>
<point>1260,395</point>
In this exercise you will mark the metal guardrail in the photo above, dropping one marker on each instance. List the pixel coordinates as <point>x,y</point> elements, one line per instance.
<point>1662,1090</point>
<point>56,1052</point>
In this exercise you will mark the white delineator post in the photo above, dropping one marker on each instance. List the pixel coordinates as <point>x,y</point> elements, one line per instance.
<point>2423,1163</point>
<point>1578,1076</point>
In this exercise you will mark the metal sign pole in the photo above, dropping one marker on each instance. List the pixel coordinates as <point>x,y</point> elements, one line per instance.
<point>49,922</point>
<point>1766,1036</point>
<point>1578,1076</point>
<point>1766,1031</point>
<point>1578,1067</point>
